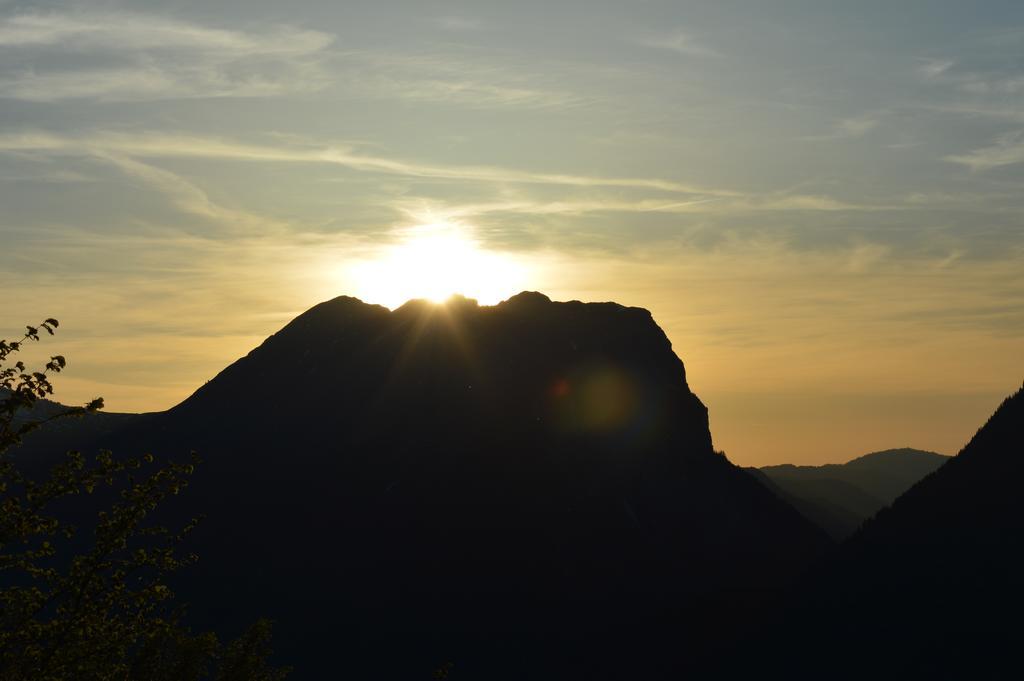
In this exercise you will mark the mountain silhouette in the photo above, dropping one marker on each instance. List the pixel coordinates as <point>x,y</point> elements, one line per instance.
<point>840,497</point>
<point>528,490</point>
<point>931,587</point>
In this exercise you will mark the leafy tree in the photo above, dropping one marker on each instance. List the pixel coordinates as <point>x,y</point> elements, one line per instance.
<point>99,608</point>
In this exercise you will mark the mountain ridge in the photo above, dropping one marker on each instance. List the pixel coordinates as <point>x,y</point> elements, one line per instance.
<point>930,586</point>
<point>460,477</point>
<point>840,497</point>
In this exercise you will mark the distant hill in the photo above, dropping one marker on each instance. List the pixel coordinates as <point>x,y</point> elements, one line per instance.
<point>932,587</point>
<point>528,490</point>
<point>840,497</point>
<point>48,443</point>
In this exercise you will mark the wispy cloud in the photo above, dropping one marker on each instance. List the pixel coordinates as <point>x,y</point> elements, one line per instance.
<point>863,257</point>
<point>845,128</point>
<point>464,91</point>
<point>992,83</point>
<point>979,109</point>
<point>855,127</point>
<point>1007,150</point>
<point>464,79</point>
<point>147,82</point>
<point>980,86</point>
<point>679,42</point>
<point>427,210</point>
<point>933,68</point>
<point>458,23</point>
<point>116,57</point>
<point>190,198</point>
<point>170,146</point>
<point>801,202</point>
<point>1009,85</point>
<point>119,57</point>
<point>117,31</point>
<point>643,195</point>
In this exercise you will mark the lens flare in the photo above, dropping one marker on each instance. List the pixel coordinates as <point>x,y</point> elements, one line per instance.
<point>596,399</point>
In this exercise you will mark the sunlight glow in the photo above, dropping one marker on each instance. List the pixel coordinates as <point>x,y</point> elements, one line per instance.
<point>434,262</point>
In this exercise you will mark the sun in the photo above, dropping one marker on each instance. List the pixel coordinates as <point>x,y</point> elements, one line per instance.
<point>434,262</point>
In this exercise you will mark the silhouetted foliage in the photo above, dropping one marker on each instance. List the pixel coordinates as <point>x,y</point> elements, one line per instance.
<point>75,607</point>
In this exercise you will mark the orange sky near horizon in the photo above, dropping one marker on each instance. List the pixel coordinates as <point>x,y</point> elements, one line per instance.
<point>867,382</point>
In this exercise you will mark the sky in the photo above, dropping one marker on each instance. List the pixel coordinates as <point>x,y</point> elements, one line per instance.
<point>820,202</point>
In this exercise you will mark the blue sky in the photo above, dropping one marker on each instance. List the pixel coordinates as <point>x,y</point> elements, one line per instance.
<point>819,201</point>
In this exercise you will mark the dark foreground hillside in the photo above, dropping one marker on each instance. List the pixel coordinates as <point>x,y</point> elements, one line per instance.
<point>931,588</point>
<point>527,491</point>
